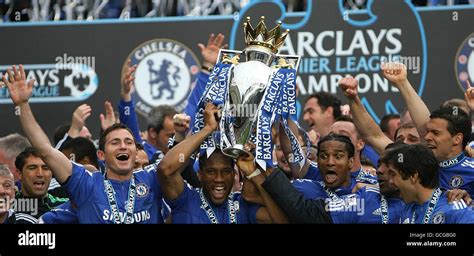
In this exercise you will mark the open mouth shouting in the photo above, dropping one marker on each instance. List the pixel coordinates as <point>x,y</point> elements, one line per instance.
<point>122,157</point>
<point>39,185</point>
<point>330,177</point>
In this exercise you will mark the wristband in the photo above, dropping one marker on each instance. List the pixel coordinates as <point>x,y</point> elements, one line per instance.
<point>254,173</point>
<point>207,68</point>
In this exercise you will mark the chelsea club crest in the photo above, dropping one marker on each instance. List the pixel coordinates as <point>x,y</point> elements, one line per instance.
<point>464,63</point>
<point>165,72</point>
<point>142,190</point>
<point>456,181</point>
<point>438,218</point>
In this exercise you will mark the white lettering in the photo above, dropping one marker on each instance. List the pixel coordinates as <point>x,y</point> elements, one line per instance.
<point>37,239</point>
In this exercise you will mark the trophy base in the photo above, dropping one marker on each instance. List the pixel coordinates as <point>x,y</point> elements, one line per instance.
<point>236,152</point>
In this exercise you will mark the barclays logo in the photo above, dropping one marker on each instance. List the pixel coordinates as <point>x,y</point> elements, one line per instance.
<point>57,83</point>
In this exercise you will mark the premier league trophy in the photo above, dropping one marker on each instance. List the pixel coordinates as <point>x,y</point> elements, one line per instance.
<point>253,95</point>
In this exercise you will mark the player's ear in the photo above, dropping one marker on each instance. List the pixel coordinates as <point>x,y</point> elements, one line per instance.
<point>414,178</point>
<point>101,154</point>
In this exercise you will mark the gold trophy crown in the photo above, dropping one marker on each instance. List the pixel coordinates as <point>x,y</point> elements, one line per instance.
<point>260,36</point>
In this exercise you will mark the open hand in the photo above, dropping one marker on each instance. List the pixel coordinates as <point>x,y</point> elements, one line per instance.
<point>210,51</point>
<point>20,90</point>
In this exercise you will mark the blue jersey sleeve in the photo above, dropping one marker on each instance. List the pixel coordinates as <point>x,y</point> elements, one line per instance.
<point>195,95</point>
<point>250,211</point>
<point>128,117</point>
<point>180,203</point>
<point>63,214</point>
<point>313,172</point>
<point>458,214</point>
<point>80,184</point>
<point>371,154</point>
<point>309,189</point>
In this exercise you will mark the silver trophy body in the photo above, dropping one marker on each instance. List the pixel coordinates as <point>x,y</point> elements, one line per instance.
<point>246,90</point>
<point>249,81</point>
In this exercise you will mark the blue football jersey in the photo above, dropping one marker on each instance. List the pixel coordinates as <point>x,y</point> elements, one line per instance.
<point>458,173</point>
<point>457,212</point>
<point>63,214</point>
<point>87,190</point>
<point>195,96</point>
<point>313,189</point>
<point>365,207</point>
<point>188,208</point>
<point>371,154</point>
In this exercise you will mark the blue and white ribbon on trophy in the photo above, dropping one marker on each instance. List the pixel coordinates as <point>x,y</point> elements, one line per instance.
<point>216,93</point>
<point>288,102</point>
<point>266,116</point>
<point>226,126</point>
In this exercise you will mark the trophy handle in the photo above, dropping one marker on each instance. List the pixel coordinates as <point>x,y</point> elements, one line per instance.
<point>293,60</point>
<point>226,56</point>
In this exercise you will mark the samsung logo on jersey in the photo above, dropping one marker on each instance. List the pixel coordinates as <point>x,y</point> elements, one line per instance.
<point>137,217</point>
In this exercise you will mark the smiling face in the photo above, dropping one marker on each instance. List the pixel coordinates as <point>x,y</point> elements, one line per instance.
<point>335,164</point>
<point>120,152</point>
<point>217,177</point>
<point>35,177</point>
<point>406,187</point>
<point>317,119</point>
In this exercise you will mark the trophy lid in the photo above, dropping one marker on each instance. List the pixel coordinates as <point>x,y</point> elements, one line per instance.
<point>260,36</point>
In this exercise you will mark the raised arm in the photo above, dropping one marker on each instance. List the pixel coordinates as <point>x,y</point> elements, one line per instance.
<point>366,126</point>
<point>270,213</point>
<point>420,114</point>
<point>126,107</point>
<point>20,91</point>
<point>168,170</point>
<point>209,54</point>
